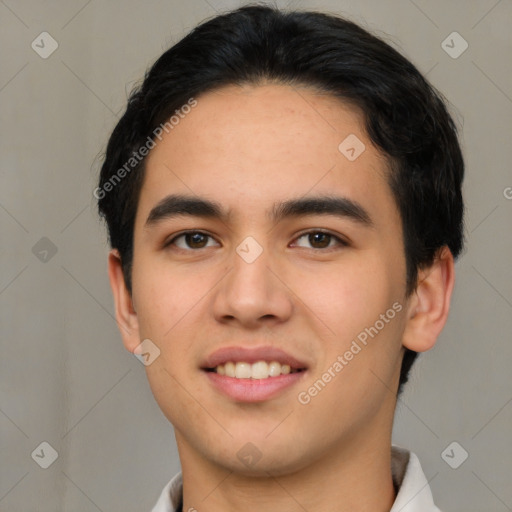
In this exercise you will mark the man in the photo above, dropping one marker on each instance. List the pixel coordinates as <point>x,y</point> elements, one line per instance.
<point>283,199</point>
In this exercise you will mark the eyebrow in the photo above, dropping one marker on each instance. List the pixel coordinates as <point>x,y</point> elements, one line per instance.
<point>182,205</point>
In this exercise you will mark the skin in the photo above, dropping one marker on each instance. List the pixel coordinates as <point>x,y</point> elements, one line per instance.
<point>248,147</point>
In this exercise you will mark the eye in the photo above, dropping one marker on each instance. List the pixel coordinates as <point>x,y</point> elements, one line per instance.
<point>191,240</point>
<point>322,240</point>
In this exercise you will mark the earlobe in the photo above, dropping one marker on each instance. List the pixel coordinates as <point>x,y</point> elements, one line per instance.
<point>126,315</point>
<point>429,305</point>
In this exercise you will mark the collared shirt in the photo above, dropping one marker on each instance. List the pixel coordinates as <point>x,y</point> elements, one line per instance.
<point>413,495</point>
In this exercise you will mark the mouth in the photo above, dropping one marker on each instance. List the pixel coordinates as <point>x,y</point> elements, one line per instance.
<point>252,375</point>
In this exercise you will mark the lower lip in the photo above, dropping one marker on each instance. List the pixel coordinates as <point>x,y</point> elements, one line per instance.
<point>253,390</point>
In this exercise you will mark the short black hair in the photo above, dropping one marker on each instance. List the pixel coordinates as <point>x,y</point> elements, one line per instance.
<point>404,116</point>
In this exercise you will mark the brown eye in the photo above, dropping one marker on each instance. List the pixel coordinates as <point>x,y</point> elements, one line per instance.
<point>190,240</point>
<point>195,240</point>
<point>321,240</point>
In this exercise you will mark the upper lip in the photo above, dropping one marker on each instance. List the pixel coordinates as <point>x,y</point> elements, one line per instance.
<point>251,355</point>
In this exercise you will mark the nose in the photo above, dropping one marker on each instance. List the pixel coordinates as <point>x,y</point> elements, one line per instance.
<point>253,293</point>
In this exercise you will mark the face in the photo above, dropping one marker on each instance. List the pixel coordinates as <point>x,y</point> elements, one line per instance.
<point>271,277</point>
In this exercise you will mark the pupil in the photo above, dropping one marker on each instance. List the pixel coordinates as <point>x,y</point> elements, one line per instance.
<point>194,239</point>
<point>314,238</point>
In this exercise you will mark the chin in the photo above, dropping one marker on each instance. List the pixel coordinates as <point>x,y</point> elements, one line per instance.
<point>265,467</point>
<point>260,459</point>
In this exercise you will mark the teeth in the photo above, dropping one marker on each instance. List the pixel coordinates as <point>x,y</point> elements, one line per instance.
<point>243,371</point>
<point>229,368</point>
<point>258,370</point>
<point>274,369</point>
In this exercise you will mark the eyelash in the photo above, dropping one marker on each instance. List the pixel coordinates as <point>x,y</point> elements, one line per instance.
<point>340,241</point>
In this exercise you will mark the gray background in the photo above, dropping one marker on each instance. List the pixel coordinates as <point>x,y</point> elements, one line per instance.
<point>66,378</point>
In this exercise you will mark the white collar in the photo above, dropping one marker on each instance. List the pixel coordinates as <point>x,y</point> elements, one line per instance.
<point>414,493</point>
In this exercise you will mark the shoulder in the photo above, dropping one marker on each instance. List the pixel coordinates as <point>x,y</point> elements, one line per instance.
<point>414,494</point>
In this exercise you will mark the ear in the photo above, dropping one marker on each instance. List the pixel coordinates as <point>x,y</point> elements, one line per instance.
<point>126,315</point>
<point>429,305</point>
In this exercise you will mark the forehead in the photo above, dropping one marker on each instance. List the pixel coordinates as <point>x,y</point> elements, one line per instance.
<point>251,146</point>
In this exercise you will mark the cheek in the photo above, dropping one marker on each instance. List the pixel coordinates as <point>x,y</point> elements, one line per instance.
<point>348,296</point>
<point>350,300</point>
<point>169,303</point>
<point>159,295</point>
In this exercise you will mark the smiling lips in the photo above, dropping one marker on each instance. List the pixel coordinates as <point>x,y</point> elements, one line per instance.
<point>274,358</point>
<point>252,375</point>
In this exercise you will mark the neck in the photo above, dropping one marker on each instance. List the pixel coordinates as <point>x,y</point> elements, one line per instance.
<point>355,476</point>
